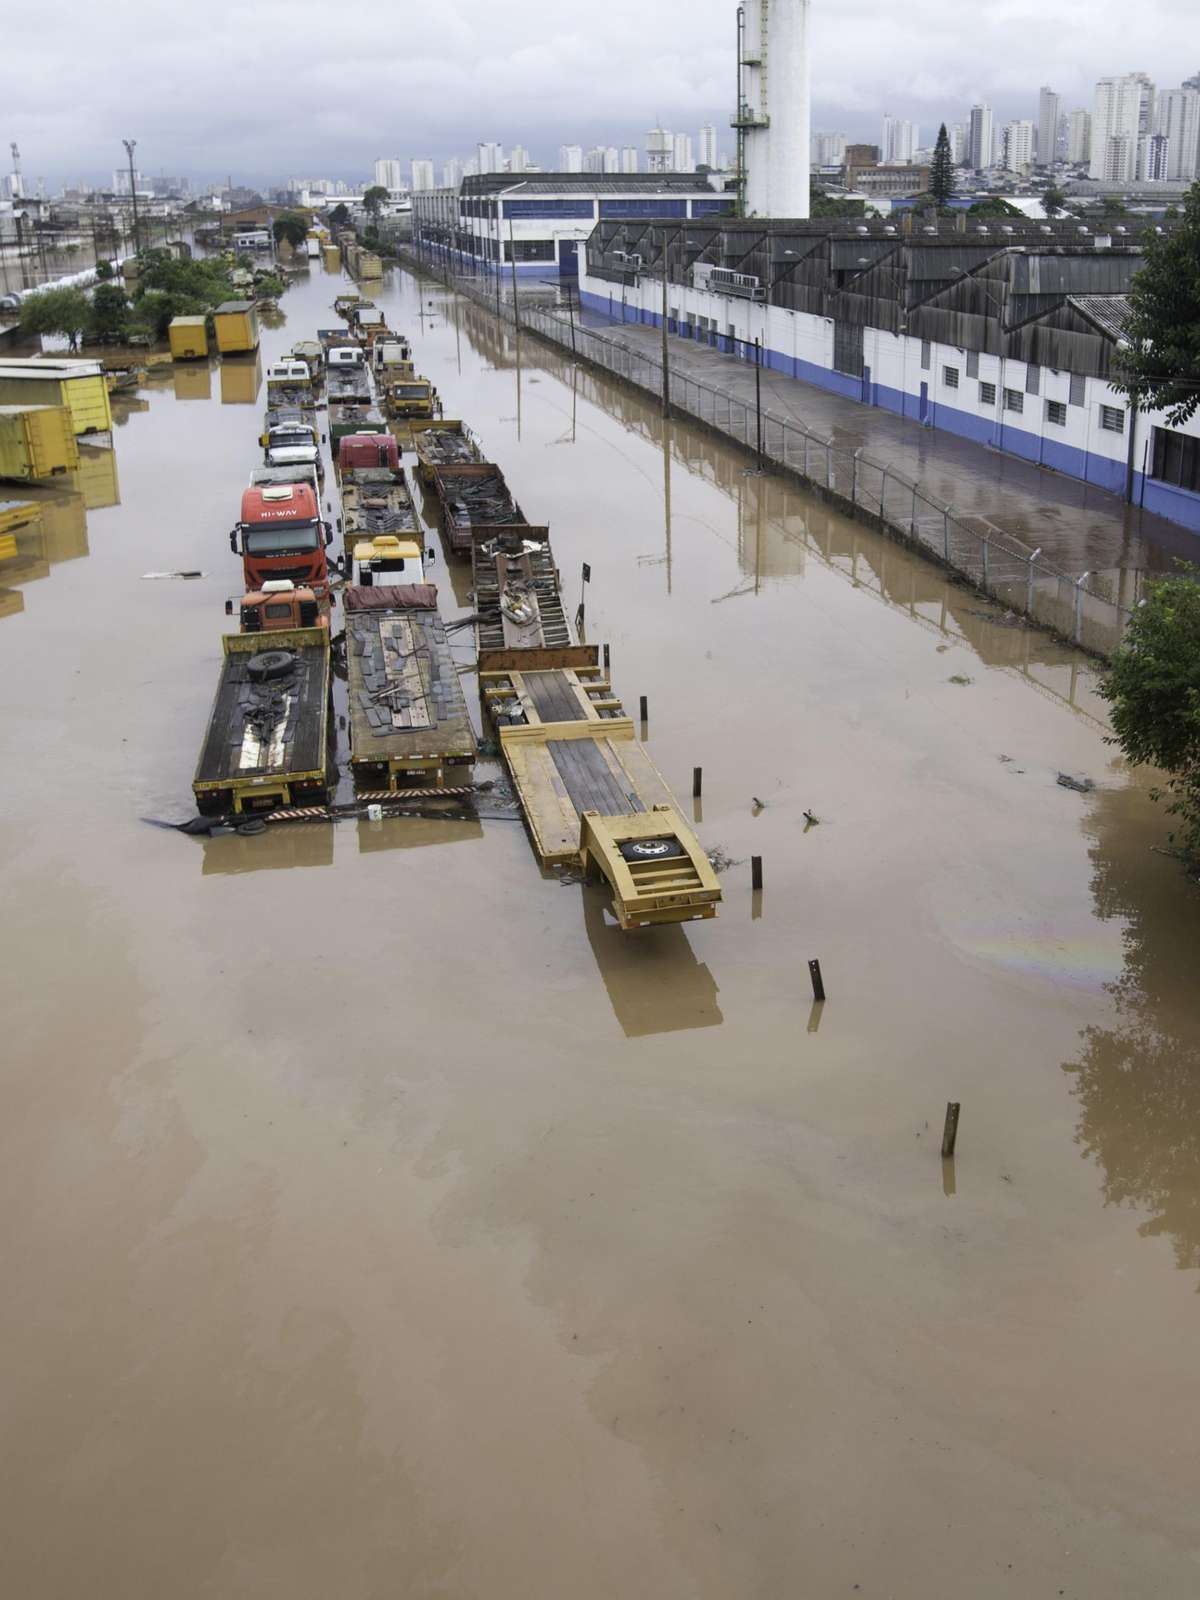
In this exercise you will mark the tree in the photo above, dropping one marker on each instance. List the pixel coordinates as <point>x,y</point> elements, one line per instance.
<point>1111,206</point>
<point>1160,370</point>
<point>1054,201</point>
<point>375,199</point>
<point>288,225</point>
<point>104,271</point>
<point>941,169</point>
<point>994,206</point>
<point>66,311</point>
<point>1153,685</point>
<point>110,311</point>
<point>825,205</point>
<point>339,216</point>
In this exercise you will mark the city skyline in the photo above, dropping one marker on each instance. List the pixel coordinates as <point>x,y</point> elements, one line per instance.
<point>483,61</point>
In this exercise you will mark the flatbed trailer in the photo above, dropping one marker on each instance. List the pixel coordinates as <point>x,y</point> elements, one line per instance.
<point>439,442</point>
<point>268,738</point>
<point>518,602</point>
<point>408,716</point>
<point>376,500</point>
<point>353,416</point>
<point>474,502</point>
<point>591,794</point>
<point>349,383</point>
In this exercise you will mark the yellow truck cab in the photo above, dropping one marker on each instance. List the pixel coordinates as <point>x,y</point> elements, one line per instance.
<point>387,559</point>
<point>411,397</point>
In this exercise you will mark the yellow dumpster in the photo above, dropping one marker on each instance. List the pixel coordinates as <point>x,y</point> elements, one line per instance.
<point>189,338</point>
<point>237,327</point>
<point>331,258</point>
<point>36,441</point>
<point>79,385</point>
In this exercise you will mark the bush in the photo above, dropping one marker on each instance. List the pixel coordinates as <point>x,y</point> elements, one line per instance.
<point>110,311</point>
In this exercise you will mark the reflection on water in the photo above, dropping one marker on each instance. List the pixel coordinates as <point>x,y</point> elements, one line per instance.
<point>411,833</point>
<point>299,844</point>
<point>654,981</point>
<point>241,377</point>
<point>95,478</point>
<point>192,380</point>
<point>1137,1081</point>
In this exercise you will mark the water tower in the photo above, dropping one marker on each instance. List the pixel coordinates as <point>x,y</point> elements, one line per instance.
<point>772,118</point>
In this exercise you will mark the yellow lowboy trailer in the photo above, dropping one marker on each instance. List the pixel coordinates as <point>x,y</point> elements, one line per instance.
<point>592,796</point>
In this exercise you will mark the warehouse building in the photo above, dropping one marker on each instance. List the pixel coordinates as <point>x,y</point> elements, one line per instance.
<point>1004,333</point>
<point>543,217</point>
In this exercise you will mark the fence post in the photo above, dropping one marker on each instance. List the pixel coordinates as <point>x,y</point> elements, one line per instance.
<point>946,510</point>
<point>806,452</point>
<point>914,512</point>
<point>1079,583</point>
<point>985,561</point>
<point>883,496</point>
<point>829,464</point>
<point>1029,582</point>
<point>854,477</point>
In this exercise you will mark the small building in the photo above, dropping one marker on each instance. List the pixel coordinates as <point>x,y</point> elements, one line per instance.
<point>543,217</point>
<point>236,324</point>
<point>1005,333</point>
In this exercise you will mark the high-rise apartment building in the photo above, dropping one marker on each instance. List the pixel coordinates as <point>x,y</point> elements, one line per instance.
<point>491,156</point>
<point>629,158</point>
<point>1155,156</point>
<point>957,136</point>
<point>899,142</point>
<point>829,149</point>
<point>683,157</point>
<point>708,146</point>
<point>518,159</point>
<point>980,140</point>
<point>388,173</point>
<point>1047,127</point>
<point>593,159</point>
<point>1079,136</point>
<point>660,150</point>
<point>1018,146</point>
<point>1121,119</point>
<point>422,175</point>
<point>452,173</point>
<point>1177,118</point>
<point>570,158</point>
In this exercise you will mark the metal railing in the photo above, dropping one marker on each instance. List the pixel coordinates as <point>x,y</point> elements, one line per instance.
<point>994,561</point>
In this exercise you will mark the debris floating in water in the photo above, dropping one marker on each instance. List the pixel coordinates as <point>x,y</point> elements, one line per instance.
<point>146,575</point>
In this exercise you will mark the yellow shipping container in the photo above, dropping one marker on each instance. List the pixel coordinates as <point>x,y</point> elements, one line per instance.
<point>36,441</point>
<point>331,256</point>
<point>79,385</point>
<point>189,338</point>
<point>237,327</point>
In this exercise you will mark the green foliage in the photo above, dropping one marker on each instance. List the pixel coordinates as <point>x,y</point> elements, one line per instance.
<point>1054,201</point>
<point>291,226</point>
<point>941,168</point>
<point>104,271</point>
<point>994,206</point>
<point>269,286</point>
<point>375,199</point>
<point>110,311</point>
<point>1112,207</point>
<point>1153,686</point>
<point>339,216</point>
<point>65,311</point>
<point>1161,369</point>
<point>824,205</point>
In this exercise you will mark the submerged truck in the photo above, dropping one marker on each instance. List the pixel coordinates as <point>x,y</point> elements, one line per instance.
<point>382,539</point>
<point>290,437</point>
<point>390,355</point>
<point>281,535</point>
<point>278,605</point>
<point>410,397</point>
<point>474,503</point>
<point>268,741</point>
<point>408,718</point>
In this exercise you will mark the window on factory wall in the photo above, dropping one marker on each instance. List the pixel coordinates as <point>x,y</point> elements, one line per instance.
<point>1033,379</point>
<point>926,353</point>
<point>950,377</point>
<point>1056,412</point>
<point>1078,389</point>
<point>972,363</point>
<point>580,210</point>
<point>1112,419</point>
<point>1176,459</point>
<point>530,250</point>
<point>848,348</point>
<point>1014,400</point>
<point>987,394</point>
<point>643,208</point>
<point>702,208</point>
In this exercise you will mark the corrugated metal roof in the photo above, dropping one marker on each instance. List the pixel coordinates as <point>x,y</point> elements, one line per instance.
<point>646,183</point>
<point>1110,313</point>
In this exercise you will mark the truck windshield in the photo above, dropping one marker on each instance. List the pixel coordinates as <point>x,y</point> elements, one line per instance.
<point>410,391</point>
<point>280,538</point>
<point>285,437</point>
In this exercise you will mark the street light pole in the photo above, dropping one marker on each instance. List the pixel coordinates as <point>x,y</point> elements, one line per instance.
<point>666,380</point>
<point>130,147</point>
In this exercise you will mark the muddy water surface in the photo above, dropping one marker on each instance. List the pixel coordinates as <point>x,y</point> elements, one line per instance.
<point>381,1221</point>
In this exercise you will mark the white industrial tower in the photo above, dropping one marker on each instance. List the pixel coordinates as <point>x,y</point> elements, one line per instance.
<point>772,117</point>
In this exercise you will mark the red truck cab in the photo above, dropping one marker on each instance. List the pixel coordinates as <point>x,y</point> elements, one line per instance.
<point>281,535</point>
<point>368,450</point>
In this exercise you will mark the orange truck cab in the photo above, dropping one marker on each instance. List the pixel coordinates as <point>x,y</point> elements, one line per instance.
<point>281,535</point>
<point>279,604</point>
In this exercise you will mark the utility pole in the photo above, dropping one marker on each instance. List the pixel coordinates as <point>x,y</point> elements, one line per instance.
<point>130,147</point>
<point>666,381</point>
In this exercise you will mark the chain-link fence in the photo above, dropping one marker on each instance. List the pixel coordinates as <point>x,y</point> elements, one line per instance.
<point>994,561</point>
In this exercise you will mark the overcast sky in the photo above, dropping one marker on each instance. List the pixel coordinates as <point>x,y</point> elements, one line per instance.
<point>271,90</point>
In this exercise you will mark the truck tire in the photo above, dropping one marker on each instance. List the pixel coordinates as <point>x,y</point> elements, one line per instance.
<point>271,664</point>
<point>651,849</point>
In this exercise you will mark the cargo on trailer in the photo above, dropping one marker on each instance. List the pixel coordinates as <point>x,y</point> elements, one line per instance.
<point>408,717</point>
<point>188,337</point>
<point>268,741</point>
<point>442,443</point>
<point>36,442</point>
<point>353,416</point>
<point>473,502</point>
<point>236,324</point>
<point>519,612</point>
<point>81,386</point>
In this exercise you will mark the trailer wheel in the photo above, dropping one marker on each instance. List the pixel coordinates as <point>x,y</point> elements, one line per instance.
<point>651,849</point>
<point>252,825</point>
<point>270,664</point>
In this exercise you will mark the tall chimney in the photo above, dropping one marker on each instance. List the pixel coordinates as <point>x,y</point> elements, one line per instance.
<point>773,79</point>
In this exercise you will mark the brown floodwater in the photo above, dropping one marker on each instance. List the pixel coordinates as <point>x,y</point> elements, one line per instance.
<point>381,1221</point>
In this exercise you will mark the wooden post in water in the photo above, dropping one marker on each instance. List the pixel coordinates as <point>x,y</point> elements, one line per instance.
<point>756,872</point>
<point>606,658</point>
<point>645,715</point>
<point>950,1131</point>
<point>697,774</point>
<point>818,983</point>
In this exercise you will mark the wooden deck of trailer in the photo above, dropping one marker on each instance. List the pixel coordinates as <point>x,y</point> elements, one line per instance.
<point>528,562</point>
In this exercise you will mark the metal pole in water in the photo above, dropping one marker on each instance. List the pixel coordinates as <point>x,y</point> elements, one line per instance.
<point>666,382</point>
<point>758,402</point>
<point>606,658</point>
<point>697,777</point>
<point>1079,583</point>
<point>1029,581</point>
<point>756,872</point>
<point>644,713</point>
<point>950,1131</point>
<point>818,983</point>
